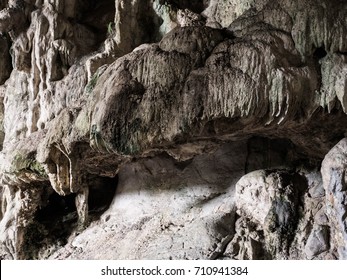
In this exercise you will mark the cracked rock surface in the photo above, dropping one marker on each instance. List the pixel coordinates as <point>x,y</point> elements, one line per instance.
<point>173,129</point>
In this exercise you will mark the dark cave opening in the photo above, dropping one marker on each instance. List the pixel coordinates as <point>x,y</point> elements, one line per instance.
<point>101,193</point>
<point>97,16</point>
<point>56,207</point>
<point>53,223</point>
<point>59,210</point>
<point>57,218</point>
<point>266,153</point>
<point>5,58</point>
<point>319,53</point>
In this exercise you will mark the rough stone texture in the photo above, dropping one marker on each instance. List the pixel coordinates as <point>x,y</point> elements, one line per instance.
<point>268,205</point>
<point>317,242</point>
<point>225,12</point>
<point>136,121</point>
<point>184,208</point>
<point>334,182</point>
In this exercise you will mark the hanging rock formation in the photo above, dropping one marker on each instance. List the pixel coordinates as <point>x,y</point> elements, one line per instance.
<point>173,129</point>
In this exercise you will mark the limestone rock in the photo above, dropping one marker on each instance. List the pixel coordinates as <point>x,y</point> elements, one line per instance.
<point>183,208</point>
<point>225,12</point>
<point>318,241</point>
<point>333,171</point>
<point>133,121</point>
<point>334,69</point>
<point>268,205</point>
<point>315,184</point>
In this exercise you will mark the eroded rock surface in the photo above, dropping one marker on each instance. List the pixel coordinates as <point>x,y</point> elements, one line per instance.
<point>173,129</point>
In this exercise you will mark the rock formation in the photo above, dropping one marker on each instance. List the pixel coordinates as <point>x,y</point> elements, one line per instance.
<point>173,129</point>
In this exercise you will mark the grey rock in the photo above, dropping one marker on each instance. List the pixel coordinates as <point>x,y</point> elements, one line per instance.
<point>334,182</point>
<point>321,217</point>
<point>269,199</point>
<point>132,121</point>
<point>318,241</point>
<point>176,210</point>
<point>314,181</point>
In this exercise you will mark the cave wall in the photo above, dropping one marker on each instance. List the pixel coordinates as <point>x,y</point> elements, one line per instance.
<point>151,124</point>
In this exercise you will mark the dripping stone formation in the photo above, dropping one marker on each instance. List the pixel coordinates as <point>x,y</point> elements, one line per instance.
<point>173,129</point>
